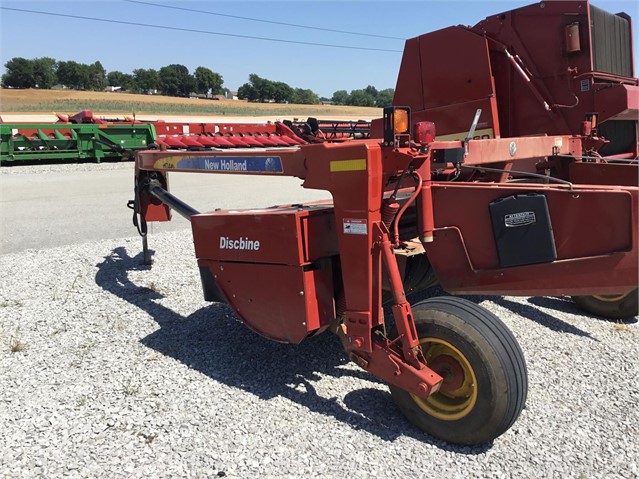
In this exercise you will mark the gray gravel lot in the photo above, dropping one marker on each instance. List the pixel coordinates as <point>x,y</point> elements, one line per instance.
<point>112,369</point>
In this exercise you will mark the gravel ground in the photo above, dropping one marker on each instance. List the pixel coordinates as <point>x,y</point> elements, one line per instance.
<point>45,169</point>
<point>112,369</point>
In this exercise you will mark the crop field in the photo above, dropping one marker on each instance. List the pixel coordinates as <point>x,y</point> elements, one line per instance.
<point>67,101</point>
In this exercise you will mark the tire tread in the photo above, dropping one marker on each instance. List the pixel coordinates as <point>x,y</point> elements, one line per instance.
<point>507,358</point>
<point>517,375</point>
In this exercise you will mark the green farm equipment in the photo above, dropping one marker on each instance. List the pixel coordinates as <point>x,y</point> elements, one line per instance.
<point>46,142</point>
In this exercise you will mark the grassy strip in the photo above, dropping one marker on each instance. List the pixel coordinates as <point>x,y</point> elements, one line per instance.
<point>205,107</point>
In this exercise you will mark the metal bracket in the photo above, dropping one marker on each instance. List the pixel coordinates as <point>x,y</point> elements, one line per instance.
<point>471,132</point>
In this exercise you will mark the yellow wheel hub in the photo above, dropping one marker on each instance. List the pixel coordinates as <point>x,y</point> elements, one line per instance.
<point>458,393</point>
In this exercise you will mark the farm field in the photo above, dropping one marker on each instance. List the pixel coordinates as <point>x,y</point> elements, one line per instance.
<point>104,103</point>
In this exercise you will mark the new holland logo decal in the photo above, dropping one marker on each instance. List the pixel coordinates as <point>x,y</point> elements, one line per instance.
<point>223,164</point>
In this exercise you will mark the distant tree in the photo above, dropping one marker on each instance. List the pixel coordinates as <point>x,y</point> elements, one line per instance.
<point>127,82</point>
<point>117,78</point>
<point>96,77</point>
<point>73,75</point>
<point>282,92</point>
<point>44,72</point>
<point>371,90</point>
<point>257,89</point>
<point>169,81</point>
<point>305,97</point>
<point>19,73</point>
<point>247,92</point>
<point>340,97</point>
<point>264,88</point>
<point>385,97</point>
<point>175,80</point>
<point>361,98</point>
<point>145,80</point>
<point>206,80</point>
<point>261,89</point>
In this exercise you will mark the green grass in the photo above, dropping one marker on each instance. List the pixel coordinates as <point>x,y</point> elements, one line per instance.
<point>201,107</point>
<point>16,345</point>
<point>10,303</point>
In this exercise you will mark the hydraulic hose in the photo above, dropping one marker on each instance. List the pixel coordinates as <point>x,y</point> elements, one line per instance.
<point>410,201</point>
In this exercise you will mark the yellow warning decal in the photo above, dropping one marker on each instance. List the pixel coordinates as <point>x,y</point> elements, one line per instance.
<point>167,162</point>
<point>479,135</point>
<point>348,165</point>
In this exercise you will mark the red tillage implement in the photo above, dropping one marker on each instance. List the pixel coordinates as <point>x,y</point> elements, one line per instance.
<point>291,272</point>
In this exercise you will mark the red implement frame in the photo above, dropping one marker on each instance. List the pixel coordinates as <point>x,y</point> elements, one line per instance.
<point>542,69</point>
<point>290,272</point>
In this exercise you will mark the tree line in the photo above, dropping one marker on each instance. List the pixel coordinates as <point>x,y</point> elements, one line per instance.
<point>369,96</point>
<point>46,72</point>
<point>172,80</point>
<point>262,90</point>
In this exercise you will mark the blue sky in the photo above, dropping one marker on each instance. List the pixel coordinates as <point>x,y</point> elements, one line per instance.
<point>323,69</point>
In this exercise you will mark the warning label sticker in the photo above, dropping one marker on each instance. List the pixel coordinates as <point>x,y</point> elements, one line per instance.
<point>355,226</point>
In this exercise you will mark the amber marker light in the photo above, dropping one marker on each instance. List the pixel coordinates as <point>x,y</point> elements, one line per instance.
<point>396,122</point>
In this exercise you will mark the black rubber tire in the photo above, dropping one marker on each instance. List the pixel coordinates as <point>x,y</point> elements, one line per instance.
<point>625,307</point>
<point>497,361</point>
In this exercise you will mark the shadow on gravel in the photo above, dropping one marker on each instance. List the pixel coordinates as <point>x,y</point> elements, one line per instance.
<point>564,305</point>
<point>540,317</point>
<point>526,311</point>
<point>216,344</point>
<point>568,306</point>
